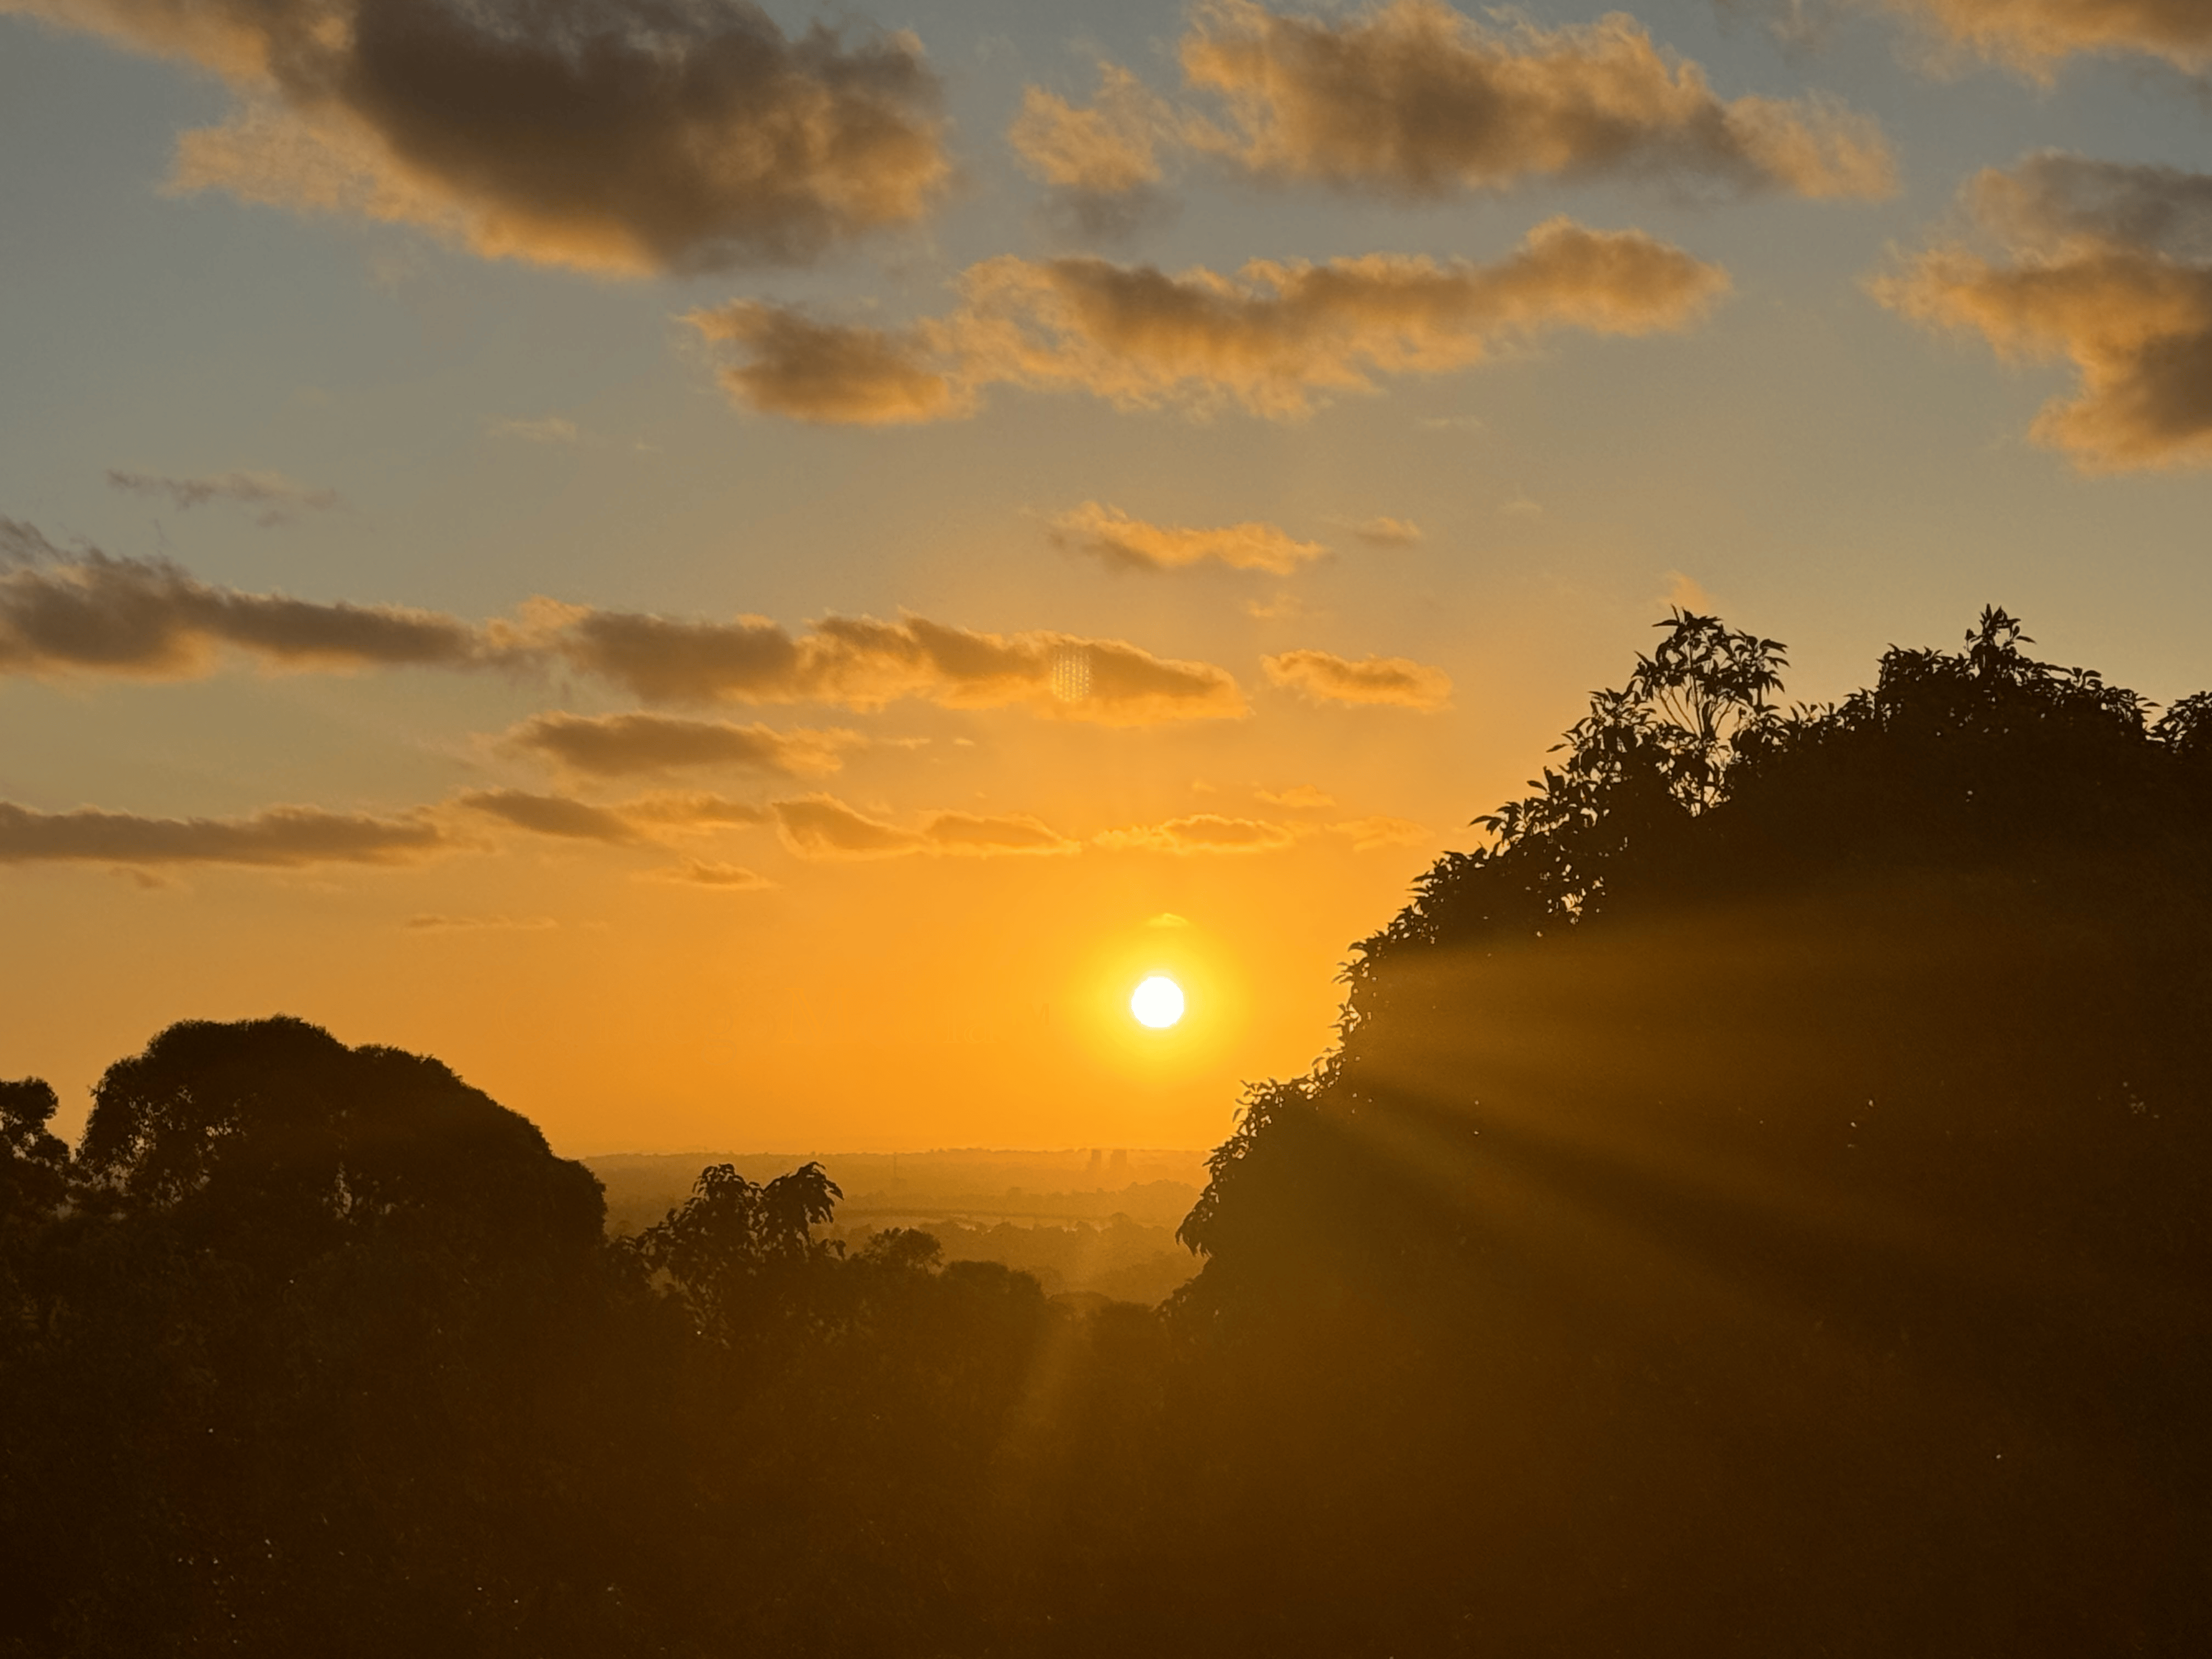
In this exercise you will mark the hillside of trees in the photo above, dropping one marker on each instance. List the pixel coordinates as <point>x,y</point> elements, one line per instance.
<point>1757,1206</point>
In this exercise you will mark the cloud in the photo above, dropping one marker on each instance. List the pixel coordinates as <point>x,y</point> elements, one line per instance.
<point>620,745</point>
<point>834,374</point>
<point>715,877</point>
<point>433,923</point>
<point>824,827</point>
<point>1302,795</point>
<point>276,498</point>
<point>86,612</point>
<point>1111,534</point>
<point>622,825</point>
<point>2034,34</point>
<point>1368,834</point>
<point>279,836</point>
<point>1284,607</point>
<point>551,815</point>
<point>1167,918</point>
<point>2105,265</point>
<point>1103,164</point>
<point>1687,593</point>
<point>862,663</point>
<point>551,429</point>
<point>1109,150</point>
<point>596,134</point>
<point>1413,99</point>
<point>1395,682</point>
<point>1273,339</point>
<point>1200,832</point>
<point>1387,532</point>
<point>686,811</point>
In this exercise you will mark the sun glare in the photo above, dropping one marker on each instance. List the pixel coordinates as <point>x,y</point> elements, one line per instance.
<point>1157,1002</point>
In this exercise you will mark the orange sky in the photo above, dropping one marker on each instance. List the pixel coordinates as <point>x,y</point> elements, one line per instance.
<point>734,630</point>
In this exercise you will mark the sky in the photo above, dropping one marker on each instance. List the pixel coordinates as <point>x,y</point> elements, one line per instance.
<point>741,575</point>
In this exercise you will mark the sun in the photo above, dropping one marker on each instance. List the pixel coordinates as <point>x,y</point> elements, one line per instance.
<point>1157,1002</point>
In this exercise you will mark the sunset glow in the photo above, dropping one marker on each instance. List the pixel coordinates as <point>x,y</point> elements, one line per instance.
<point>746,617</point>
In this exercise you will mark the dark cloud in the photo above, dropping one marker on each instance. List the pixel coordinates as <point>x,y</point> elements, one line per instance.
<point>274,498</point>
<point>281,836</point>
<point>1412,98</point>
<point>619,745</point>
<point>86,612</point>
<point>1273,339</point>
<point>862,663</point>
<point>1397,681</point>
<point>612,134</point>
<point>2107,266</point>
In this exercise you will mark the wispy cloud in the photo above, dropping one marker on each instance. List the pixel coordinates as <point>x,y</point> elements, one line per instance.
<point>824,827</point>
<point>623,745</point>
<point>279,836</point>
<point>1391,682</point>
<point>1200,832</point>
<point>2034,34</point>
<point>273,498</point>
<point>432,922</point>
<point>714,878</point>
<point>548,429</point>
<point>1384,532</point>
<point>1109,533</point>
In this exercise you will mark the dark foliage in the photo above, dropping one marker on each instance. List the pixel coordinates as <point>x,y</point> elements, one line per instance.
<point>1758,1205</point>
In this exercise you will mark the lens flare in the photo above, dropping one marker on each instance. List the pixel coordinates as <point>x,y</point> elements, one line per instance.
<point>1157,1002</point>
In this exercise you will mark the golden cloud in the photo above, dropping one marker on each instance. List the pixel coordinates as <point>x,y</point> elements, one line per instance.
<point>279,836</point>
<point>2032,35</point>
<point>1415,99</point>
<point>827,372</point>
<point>1107,149</point>
<point>1200,832</point>
<point>1394,682</point>
<point>1271,339</point>
<point>824,827</point>
<point>1112,535</point>
<point>620,745</point>
<point>577,133</point>
<point>1368,834</point>
<point>1304,796</point>
<point>2105,265</point>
